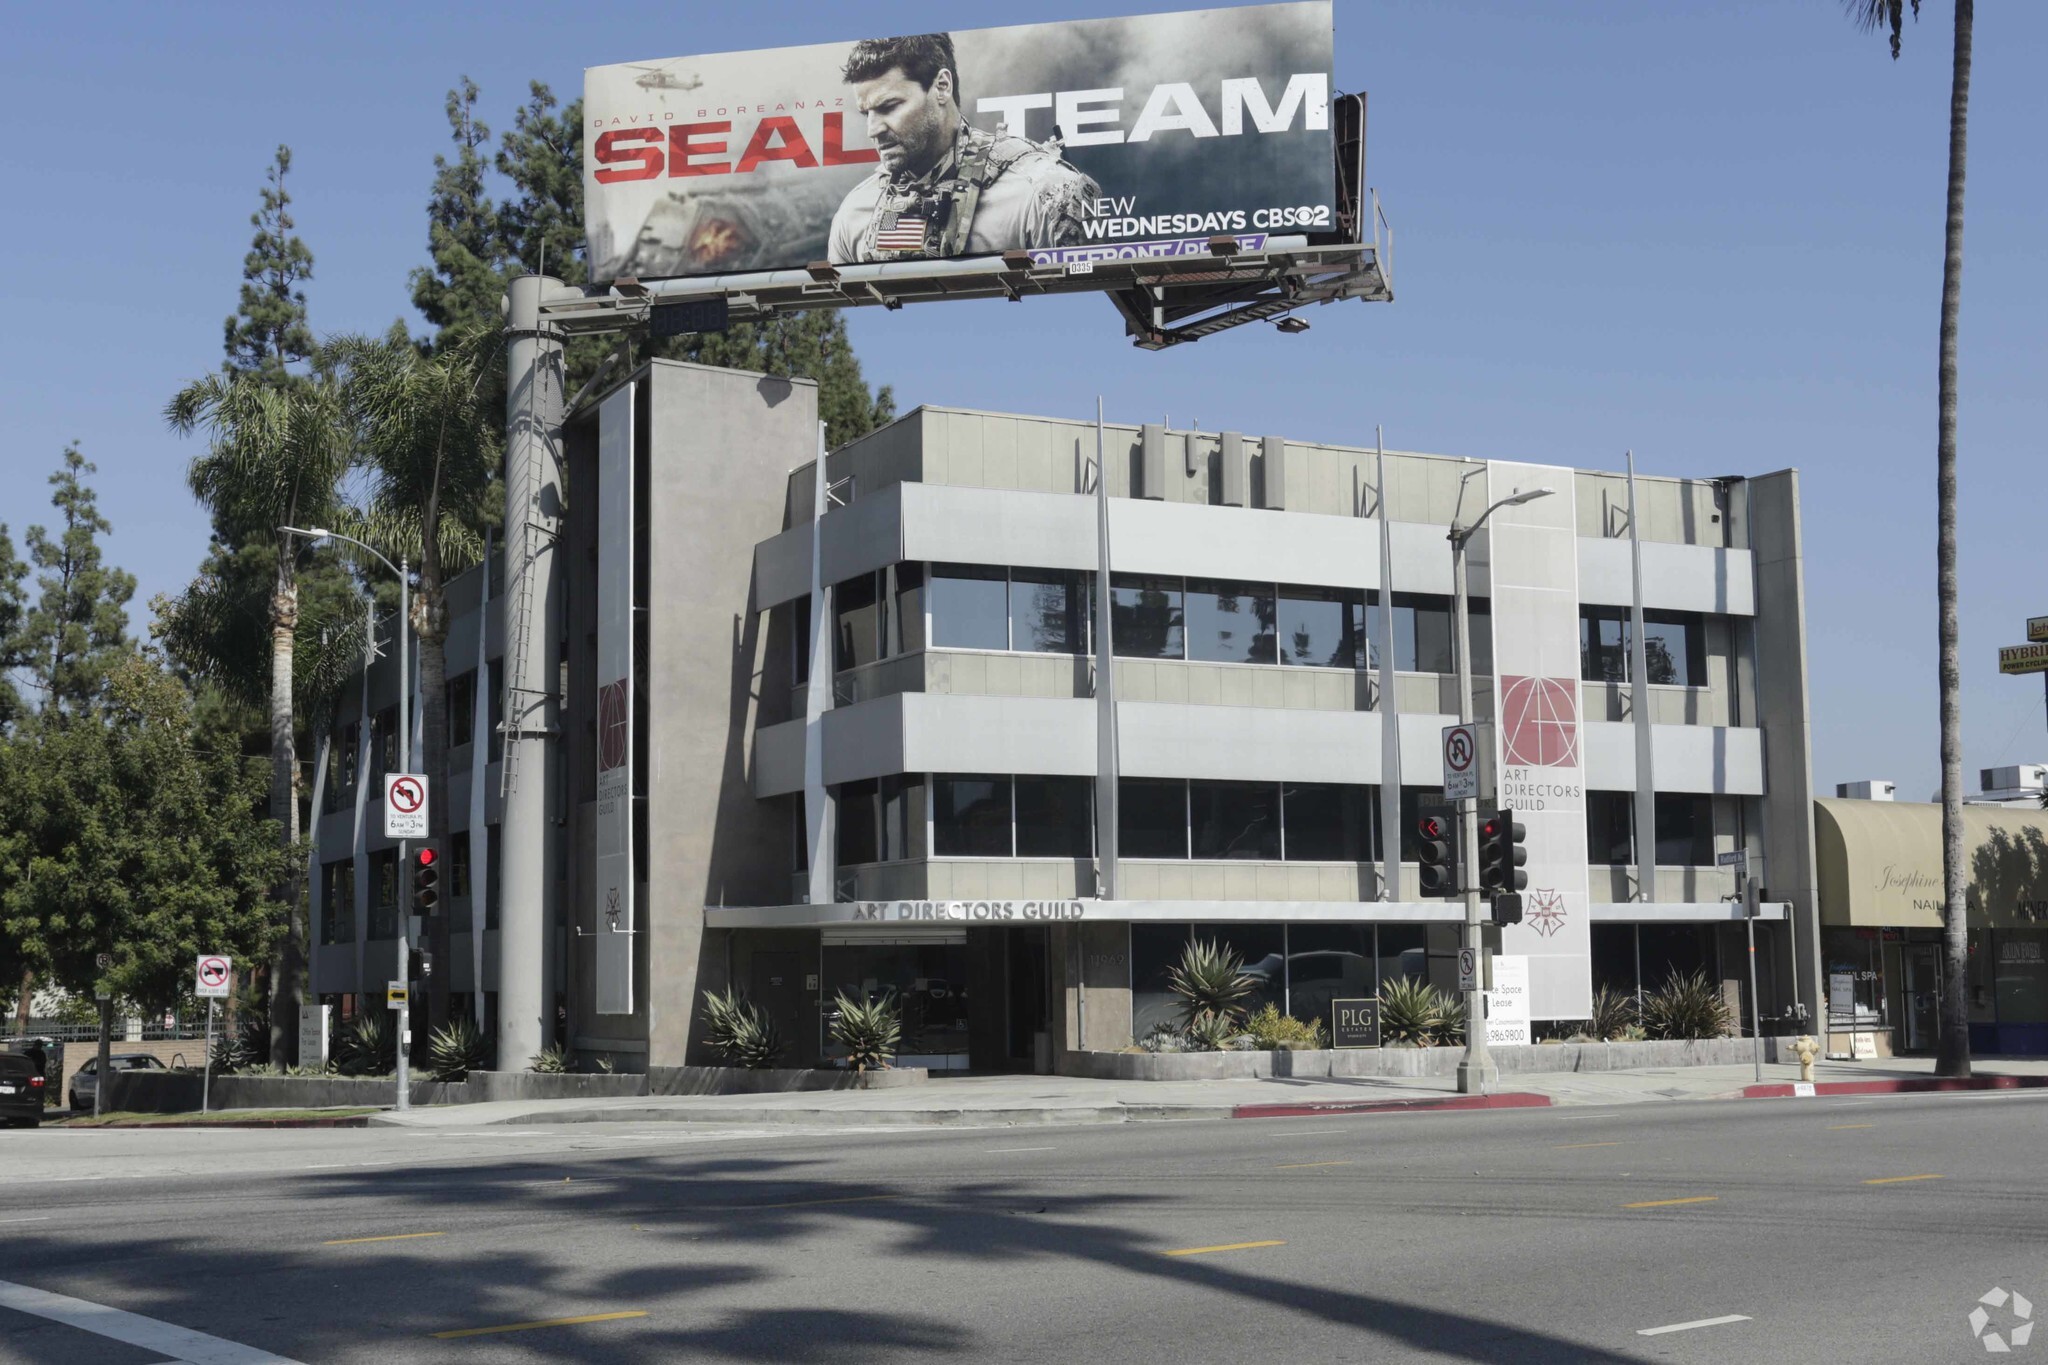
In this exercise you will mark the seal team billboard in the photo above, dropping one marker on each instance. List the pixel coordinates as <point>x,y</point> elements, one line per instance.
<point>1103,138</point>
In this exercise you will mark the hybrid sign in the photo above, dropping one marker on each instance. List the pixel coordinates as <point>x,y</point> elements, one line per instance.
<point>1096,139</point>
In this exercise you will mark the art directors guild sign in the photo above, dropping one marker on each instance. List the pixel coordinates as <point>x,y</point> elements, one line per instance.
<point>967,912</point>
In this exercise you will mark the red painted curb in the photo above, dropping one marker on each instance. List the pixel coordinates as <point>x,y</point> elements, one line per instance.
<point>1512,1100</point>
<point>1897,1086</point>
<point>358,1121</point>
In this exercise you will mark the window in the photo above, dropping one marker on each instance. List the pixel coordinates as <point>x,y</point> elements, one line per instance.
<point>1235,820</point>
<point>341,766</point>
<point>1322,627</point>
<point>384,894</point>
<point>458,863</point>
<point>1685,830</point>
<point>971,817</point>
<point>970,607</point>
<point>462,709</point>
<point>800,641</point>
<point>1146,617</point>
<point>880,820</point>
<point>1327,822</point>
<point>338,901</point>
<point>1229,623</point>
<point>493,874</point>
<point>859,838</point>
<point>1328,962</point>
<point>1674,646</point>
<point>1152,817</point>
<point>1609,818</point>
<point>908,621</point>
<point>495,679</point>
<point>1049,610</point>
<point>1425,628</point>
<point>384,742</point>
<point>1055,817</point>
<point>858,639</point>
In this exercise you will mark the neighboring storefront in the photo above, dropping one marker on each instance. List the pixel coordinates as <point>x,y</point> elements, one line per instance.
<point>1881,937</point>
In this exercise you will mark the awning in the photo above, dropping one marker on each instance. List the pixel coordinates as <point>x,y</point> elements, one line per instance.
<point>1880,864</point>
<point>898,915</point>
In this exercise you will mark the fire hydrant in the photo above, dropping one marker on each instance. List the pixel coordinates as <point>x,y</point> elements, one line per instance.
<point>1806,1048</point>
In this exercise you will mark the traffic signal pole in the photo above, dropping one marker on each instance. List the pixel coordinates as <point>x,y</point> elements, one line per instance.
<point>1475,1070</point>
<point>402,1023</point>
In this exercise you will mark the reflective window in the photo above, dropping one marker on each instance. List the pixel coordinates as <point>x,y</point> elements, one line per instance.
<point>908,619</point>
<point>338,917</point>
<point>1235,820</point>
<point>1327,822</point>
<point>1403,952</point>
<point>1328,962</point>
<point>1322,627</point>
<point>462,709</point>
<point>1609,818</point>
<point>1151,817</point>
<point>458,863</point>
<point>969,606</point>
<point>384,894</point>
<point>800,641</point>
<point>1146,617</point>
<point>1230,623</point>
<point>1155,951</point>
<point>859,839</point>
<point>1674,646</point>
<point>494,677</point>
<point>1685,830</point>
<point>1049,610</point>
<point>1424,627</point>
<point>971,817</point>
<point>1055,817</point>
<point>858,639</point>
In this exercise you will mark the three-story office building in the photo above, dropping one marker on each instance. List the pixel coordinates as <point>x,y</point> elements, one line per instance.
<point>853,730</point>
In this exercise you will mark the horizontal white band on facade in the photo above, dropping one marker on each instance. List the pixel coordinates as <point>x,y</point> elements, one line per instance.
<point>1682,912</point>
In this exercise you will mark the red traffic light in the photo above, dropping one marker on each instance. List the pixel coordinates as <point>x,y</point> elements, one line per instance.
<point>1431,827</point>
<point>426,857</point>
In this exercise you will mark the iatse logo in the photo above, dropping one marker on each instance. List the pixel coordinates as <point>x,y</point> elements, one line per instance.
<point>2002,1320</point>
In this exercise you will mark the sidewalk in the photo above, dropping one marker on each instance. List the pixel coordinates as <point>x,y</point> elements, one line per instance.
<point>996,1101</point>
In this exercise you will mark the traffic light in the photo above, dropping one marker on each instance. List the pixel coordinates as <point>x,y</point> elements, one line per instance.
<point>1501,854</point>
<point>1437,852</point>
<point>426,879</point>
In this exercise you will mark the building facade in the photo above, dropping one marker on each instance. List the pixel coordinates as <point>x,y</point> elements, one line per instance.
<point>855,728</point>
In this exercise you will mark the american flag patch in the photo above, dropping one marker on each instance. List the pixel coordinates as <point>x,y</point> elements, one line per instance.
<point>899,233</point>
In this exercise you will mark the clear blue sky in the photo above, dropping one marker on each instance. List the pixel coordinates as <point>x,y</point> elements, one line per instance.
<point>1710,232</point>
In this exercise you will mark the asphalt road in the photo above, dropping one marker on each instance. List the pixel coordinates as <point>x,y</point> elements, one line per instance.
<point>1862,1229</point>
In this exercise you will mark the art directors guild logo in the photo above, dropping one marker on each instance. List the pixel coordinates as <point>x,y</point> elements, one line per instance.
<point>967,912</point>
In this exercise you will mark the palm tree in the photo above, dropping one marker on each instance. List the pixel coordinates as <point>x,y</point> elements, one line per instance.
<point>1888,16</point>
<point>427,439</point>
<point>275,453</point>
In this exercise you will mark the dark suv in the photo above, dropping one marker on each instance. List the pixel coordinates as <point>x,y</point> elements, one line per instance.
<point>21,1090</point>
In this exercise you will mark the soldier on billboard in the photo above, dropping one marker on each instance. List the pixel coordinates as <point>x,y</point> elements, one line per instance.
<point>944,188</point>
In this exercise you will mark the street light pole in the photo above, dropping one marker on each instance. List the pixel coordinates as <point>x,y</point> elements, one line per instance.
<point>403,569</point>
<point>1476,1071</point>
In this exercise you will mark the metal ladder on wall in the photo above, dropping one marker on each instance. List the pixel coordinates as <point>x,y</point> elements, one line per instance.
<point>520,702</point>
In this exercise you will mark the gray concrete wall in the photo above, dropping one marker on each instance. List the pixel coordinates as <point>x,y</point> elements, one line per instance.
<point>721,443</point>
<point>1414,1061</point>
<point>1789,869</point>
<point>1099,956</point>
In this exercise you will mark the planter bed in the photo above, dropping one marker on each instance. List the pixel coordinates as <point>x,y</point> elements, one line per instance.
<point>1413,1061</point>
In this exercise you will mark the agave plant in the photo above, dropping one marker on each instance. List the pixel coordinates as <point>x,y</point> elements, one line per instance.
<point>1210,979</point>
<point>742,1032</point>
<point>370,1046</point>
<point>230,1053</point>
<point>457,1049</point>
<point>1687,1006</point>
<point>870,1031</point>
<point>1450,1017</point>
<point>1210,1032</point>
<point>1614,1012</point>
<point>552,1060</point>
<point>1412,1012</point>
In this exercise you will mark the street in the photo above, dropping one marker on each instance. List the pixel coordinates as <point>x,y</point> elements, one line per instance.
<point>1748,1231</point>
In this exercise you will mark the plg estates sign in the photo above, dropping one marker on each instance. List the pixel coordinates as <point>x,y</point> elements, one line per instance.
<point>1076,142</point>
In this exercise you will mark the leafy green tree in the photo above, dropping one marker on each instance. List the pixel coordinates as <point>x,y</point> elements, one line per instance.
<point>459,292</point>
<point>123,837</point>
<point>269,332</point>
<point>1888,16</point>
<point>76,631</point>
<point>13,614</point>
<point>275,457</point>
<point>430,448</point>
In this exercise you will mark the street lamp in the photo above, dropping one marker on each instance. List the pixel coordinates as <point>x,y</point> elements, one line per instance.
<point>402,569</point>
<point>1475,1070</point>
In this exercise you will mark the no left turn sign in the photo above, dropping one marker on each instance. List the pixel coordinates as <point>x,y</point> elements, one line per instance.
<point>214,972</point>
<point>405,806</point>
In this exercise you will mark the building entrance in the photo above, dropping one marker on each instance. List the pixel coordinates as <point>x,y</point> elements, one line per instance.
<point>927,976</point>
<point>1923,996</point>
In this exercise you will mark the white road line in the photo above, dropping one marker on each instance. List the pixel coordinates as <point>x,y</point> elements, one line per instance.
<point>1689,1326</point>
<point>997,1151</point>
<point>44,1218</point>
<point>179,1343</point>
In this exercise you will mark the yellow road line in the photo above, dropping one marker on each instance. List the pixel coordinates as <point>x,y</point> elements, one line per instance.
<point>544,1322</point>
<point>387,1237</point>
<point>1567,1146</point>
<point>1902,1179</point>
<point>1837,1127</point>
<point>1306,1165</point>
<point>1667,1203</point>
<point>814,1203</point>
<point>1228,1246</point>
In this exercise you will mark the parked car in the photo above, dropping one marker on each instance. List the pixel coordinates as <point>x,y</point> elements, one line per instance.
<point>21,1090</point>
<point>85,1082</point>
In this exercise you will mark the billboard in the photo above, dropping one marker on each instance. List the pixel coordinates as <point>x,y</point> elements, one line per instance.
<point>1075,141</point>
